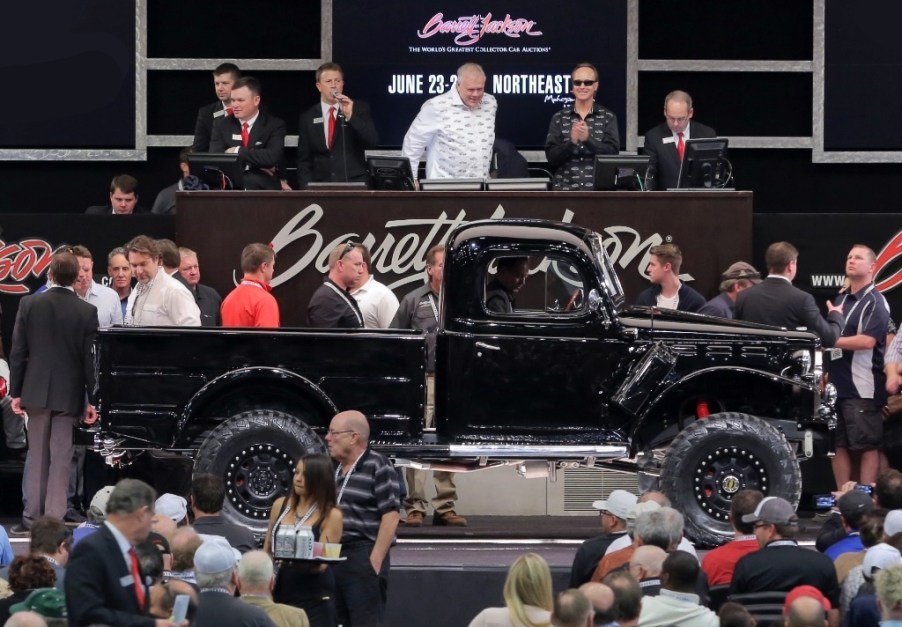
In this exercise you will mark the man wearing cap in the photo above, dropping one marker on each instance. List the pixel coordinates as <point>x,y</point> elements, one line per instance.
<point>217,606</point>
<point>172,506</point>
<point>368,495</point>
<point>48,602</point>
<point>654,496</point>
<point>613,513</point>
<point>739,276</point>
<point>863,608</point>
<point>805,606</point>
<point>719,563</point>
<point>853,505</point>
<point>781,564</point>
<point>104,583</point>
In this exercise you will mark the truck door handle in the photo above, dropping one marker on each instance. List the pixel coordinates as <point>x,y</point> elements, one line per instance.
<point>490,347</point>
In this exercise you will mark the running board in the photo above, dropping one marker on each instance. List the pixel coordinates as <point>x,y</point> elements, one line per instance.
<point>550,452</point>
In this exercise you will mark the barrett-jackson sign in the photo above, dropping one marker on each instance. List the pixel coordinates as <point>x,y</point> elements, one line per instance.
<point>713,230</point>
<point>27,241</point>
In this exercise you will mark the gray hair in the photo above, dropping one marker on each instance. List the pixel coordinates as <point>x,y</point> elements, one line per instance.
<point>470,68</point>
<point>129,496</point>
<point>662,528</point>
<point>222,579</point>
<point>255,568</point>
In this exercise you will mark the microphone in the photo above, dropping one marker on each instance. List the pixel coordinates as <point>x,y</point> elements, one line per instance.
<point>337,103</point>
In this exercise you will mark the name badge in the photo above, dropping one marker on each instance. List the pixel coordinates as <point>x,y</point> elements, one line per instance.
<point>317,120</point>
<point>128,580</point>
<point>219,114</point>
<point>835,353</point>
<point>667,140</point>
<point>238,136</point>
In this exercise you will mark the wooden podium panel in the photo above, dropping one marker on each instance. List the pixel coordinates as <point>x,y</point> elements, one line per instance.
<point>713,229</point>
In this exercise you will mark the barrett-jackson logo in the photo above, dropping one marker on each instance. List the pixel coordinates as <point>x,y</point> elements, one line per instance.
<point>891,253</point>
<point>20,260</point>
<point>472,28</point>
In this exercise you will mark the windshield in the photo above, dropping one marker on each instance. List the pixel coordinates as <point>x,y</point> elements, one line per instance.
<point>610,282</point>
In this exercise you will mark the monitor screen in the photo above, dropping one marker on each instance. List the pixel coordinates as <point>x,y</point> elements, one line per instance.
<point>217,170</point>
<point>390,173</point>
<point>620,172</point>
<point>704,164</point>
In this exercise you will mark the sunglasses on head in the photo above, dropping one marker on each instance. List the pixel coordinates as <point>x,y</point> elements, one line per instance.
<point>349,246</point>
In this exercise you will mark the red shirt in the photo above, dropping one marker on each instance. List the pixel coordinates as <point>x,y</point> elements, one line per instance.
<point>250,305</point>
<point>719,563</point>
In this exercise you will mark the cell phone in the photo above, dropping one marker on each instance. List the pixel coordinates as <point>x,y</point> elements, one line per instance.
<point>180,609</point>
<point>824,501</point>
<point>867,489</point>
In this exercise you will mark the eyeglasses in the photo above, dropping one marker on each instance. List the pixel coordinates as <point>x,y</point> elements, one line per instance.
<point>333,433</point>
<point>586,83</point>
<point>348,248</point>
<point>758,525</point>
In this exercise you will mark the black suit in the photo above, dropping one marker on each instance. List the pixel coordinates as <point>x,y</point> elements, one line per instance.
<point>777,302</point>
<point>218,609</point>
<point>265,147</point>
<point>203,126</point>
<point>352,138</point>
<point>664,165</point>
<point>99,588</point>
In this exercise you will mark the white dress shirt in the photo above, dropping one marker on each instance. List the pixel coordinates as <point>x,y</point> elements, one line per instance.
<point>457,140</point>
<point>377,303</point>
<point>109,308</point>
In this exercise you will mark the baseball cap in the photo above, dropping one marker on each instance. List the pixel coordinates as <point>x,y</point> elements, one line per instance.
<point>742,270</point>
<point>214,556</point>
<point>172,506</point>
<point>98,503</point>
<point>48,602</point>
<point>879,557</point>
<point>892,524</point>
<point>773,510</point>
<point>854,504</point>
<point>618,503</point>
<point>805,591</point>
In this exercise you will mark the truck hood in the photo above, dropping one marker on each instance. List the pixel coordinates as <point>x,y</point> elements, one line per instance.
<point>672,320</point>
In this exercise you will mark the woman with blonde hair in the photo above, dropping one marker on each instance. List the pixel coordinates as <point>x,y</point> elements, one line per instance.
<point>527,596</point>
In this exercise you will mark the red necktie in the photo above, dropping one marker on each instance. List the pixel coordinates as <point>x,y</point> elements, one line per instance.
<point>681,147</point>
<point>136,577</point>
<point>245,135</point>
<point>331,127</point>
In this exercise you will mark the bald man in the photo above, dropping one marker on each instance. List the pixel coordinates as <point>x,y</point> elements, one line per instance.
<point>368,494</point>
<point>601,596</point>
<point>805,612</point>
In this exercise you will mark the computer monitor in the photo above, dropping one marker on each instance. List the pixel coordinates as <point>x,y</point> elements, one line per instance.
<point>704,164</point>
<point>620,172</point>
<point>390,173</point>
<point>218,170</point>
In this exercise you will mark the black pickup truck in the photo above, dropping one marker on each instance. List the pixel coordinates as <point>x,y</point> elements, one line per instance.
<point>571,378</point>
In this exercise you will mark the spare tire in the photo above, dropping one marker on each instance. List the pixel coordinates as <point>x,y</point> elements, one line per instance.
<point>256,452</point>
<point>712,459</point>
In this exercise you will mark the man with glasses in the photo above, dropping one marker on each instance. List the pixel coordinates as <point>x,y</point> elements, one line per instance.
<point>368,495</point>
<point>251,304</point>
<point>613,513</point>
<point>332,306</point>
<point>666,142</point>
<point>579,132</point>
<point>781,564</point>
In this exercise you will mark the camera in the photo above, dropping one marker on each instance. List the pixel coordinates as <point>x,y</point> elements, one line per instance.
<point>827,501</point>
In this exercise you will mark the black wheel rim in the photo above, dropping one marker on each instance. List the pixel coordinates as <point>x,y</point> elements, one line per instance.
<point>256,476</point>
<point>723,472</point>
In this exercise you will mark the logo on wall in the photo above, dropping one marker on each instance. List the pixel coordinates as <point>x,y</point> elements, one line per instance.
<point>891,253</point>
<point>470,29</point>
<point>21,260</point>
<point>401,251</point>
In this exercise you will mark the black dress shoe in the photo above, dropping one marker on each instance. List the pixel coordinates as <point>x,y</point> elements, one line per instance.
<point>20,530</point>
<point>73,516</point>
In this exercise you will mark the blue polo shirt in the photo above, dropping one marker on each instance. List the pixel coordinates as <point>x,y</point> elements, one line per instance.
<point>859,374</point>
<point>849,544</point>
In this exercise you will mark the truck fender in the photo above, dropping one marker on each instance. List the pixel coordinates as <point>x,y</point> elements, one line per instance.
<point>234,378</point>
<point>674,387</point>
